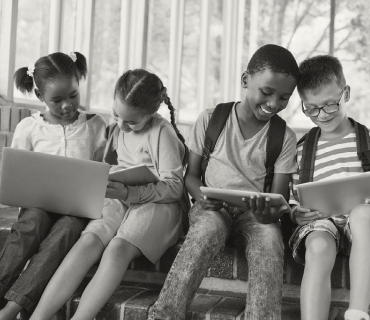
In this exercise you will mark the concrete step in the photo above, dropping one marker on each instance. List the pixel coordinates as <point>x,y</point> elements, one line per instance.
<point>132,301</point>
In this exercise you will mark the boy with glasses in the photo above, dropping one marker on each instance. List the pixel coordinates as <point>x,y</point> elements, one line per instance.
<point>315,243</point>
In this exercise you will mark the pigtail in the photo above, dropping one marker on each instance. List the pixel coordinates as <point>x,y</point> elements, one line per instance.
<point>81,64</point>
<point>23,81</point>
<point>167,101</point>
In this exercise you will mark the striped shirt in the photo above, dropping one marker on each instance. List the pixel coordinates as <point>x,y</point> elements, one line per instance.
<point>334,159</point>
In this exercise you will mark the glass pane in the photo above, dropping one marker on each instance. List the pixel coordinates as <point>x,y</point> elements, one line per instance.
<point>69,26</point>
<point>158,44</point>
<point>189,109</point>
<point>32,35</point>
<point>351,45</point>
<point>159,38</point>
<point>105,55</point>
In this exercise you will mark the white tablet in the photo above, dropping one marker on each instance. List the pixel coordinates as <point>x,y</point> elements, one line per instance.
<point>234,197</point>
<point>337,196</point>
<point>134,176</point>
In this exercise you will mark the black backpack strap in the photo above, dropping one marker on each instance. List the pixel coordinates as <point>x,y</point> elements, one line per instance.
<point>275,139</point>
<point>215,127</point>
<point>363,144</point>
<point>308,155</point>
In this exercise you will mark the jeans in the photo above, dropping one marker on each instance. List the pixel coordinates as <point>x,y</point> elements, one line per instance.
<point>263,248</point>
<point>43,237</point>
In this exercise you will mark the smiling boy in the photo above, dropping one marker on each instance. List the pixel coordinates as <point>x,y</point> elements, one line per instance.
<point>324,93</point>
<point>238,162</point>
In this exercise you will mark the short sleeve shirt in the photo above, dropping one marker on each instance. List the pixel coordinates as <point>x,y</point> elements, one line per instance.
<point>237,163</point>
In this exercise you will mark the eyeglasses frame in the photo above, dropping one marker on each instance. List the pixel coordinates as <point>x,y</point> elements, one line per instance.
<point>322,107</point>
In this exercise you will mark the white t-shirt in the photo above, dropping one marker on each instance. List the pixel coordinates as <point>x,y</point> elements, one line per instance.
<point>83,139</point>
<point>236,163</point>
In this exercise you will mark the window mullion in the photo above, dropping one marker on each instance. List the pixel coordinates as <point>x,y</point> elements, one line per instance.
<point>56,15</point>
<point>205,21</point>
<point>84,44</point>
<point>175,57</point>
<point>8,36</point>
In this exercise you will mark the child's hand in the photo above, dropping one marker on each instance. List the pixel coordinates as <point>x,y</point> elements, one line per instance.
<point>262,210</point>
<point>211,204</point>
<point>302,216</point>
<point>367,201</point>
<point>116,190</point>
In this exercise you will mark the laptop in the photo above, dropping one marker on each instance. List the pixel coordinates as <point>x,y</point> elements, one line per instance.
<point>335,197</point>
<point>53,183</point>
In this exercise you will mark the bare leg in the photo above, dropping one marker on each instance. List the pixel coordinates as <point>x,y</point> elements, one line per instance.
<point>316,284</point>
<point>84,254</point>
<point>106,280</point>
<point>10,311</point>
<point>359,262</point>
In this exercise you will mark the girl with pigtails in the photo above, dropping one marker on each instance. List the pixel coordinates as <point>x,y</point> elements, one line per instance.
<point>137,220</point>
<point>42,237</point>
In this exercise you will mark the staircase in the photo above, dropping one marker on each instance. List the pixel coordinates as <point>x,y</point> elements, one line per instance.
<point>220,296</point>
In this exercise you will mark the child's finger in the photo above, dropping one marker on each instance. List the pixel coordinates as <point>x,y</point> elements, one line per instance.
<point>260,203</point>
<point>266,204</point>
<point>252,203</point>
<point>309,215</point>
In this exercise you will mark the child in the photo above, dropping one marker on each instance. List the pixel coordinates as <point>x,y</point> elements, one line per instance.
<point>238,162</point>
<point>316,241</point>
<point>61,130</point>
<point>151,215</point>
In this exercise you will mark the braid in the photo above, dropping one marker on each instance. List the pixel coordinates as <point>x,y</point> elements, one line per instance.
<point>167,101</point>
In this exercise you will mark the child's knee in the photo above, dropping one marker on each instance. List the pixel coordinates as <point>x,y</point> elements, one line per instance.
<point>320,246</point>
<point>360,216</point>
<point>211,225</point>
<point>90,241</point>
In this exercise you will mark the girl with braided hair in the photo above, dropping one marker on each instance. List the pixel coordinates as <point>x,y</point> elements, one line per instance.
<point>137,220</point>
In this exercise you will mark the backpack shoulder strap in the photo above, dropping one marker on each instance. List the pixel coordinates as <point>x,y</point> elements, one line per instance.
<point>274,144</point>
<point>363,144</point>
<point>306,167</point>
<point>215,126</point>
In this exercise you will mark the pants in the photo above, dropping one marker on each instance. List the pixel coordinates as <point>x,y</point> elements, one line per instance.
<point>263,248</point>
<point>44,237</point>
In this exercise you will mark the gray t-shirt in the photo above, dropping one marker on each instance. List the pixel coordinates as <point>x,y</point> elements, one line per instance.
<point>236,163</point>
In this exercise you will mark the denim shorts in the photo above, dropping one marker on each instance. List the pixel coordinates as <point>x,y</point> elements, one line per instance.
<point>338,227</point>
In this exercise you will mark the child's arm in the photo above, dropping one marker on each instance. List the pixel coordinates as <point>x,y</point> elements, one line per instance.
<point>299,215</point>
<point>168,161</point>
<point>100,139</point>
<point>23,134</point>
<point>193,182</point>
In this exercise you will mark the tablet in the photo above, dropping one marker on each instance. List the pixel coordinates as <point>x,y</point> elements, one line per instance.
<point>234,197</point>
<point>336,196</point>
<point>134,176</point>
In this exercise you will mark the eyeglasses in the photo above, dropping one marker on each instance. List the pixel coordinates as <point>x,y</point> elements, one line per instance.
<point>328,108</point>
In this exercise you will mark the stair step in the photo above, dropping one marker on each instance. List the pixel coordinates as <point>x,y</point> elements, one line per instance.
<point>132,301</point>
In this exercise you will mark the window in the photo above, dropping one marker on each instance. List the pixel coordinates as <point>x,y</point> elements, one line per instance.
<point>198,48</point>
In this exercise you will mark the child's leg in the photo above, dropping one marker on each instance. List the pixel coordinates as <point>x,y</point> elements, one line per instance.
<point>108,277</point>
<point>84,254</point>
<point>28,288</point>
<point>316,285</point>
<point>204,240</point>
<point>264,251</point>
<point>26,235</point>
<point>359,262</point>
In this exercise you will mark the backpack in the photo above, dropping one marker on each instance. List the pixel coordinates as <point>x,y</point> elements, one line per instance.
<point>275,139</point>
<point>306,168</point>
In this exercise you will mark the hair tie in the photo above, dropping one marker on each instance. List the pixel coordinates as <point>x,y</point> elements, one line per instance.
<point>73,56</point>
<point>31,70</point>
